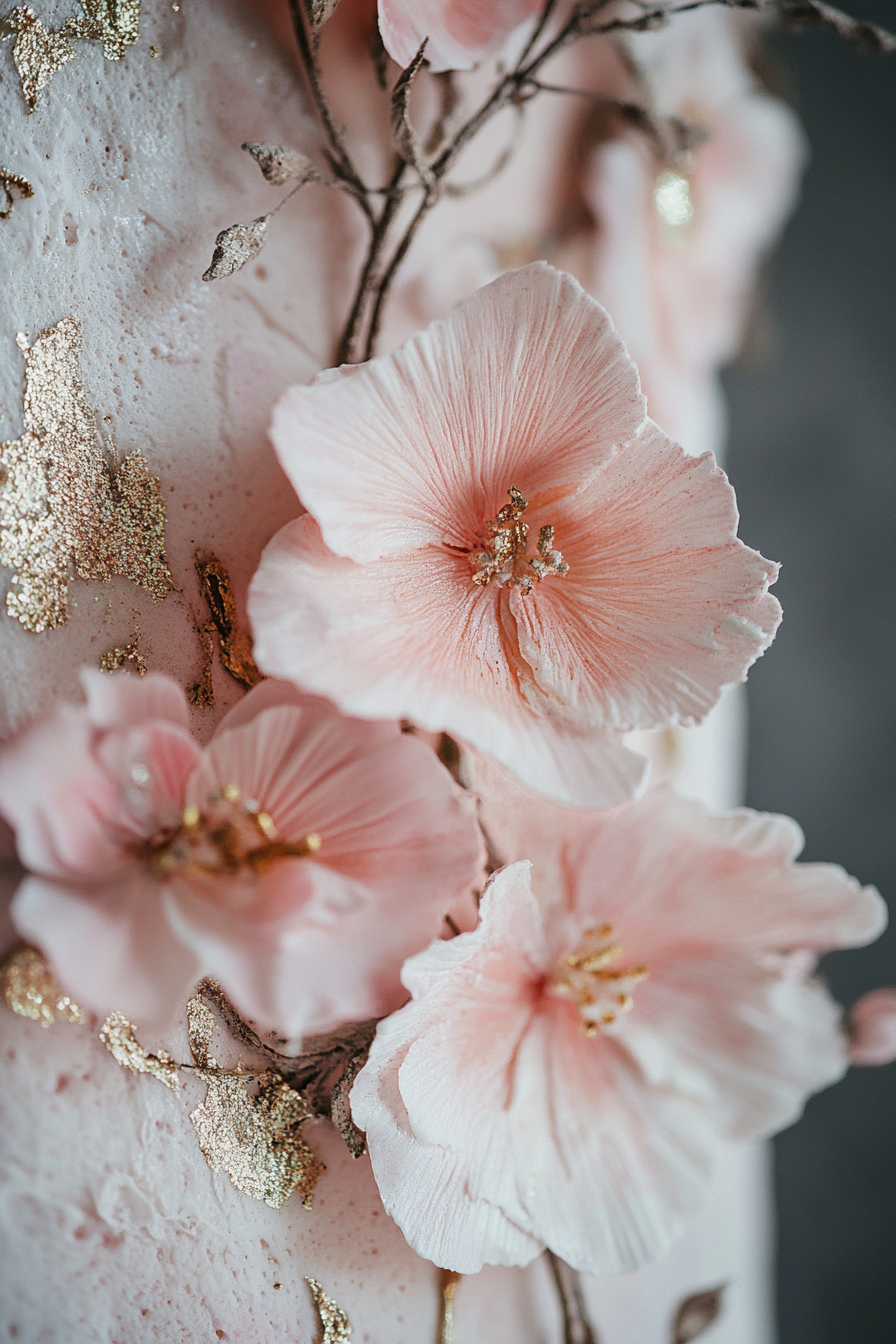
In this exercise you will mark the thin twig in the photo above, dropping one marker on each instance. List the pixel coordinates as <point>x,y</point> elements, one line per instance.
<point>577,1328</point>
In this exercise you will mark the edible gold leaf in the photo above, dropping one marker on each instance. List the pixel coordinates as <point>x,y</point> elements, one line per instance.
<point>118,1034</point>
<point>336,1325</point>
<point>253,1137</point>
<point>235,643</point>
<point>63,497</point>
<point>37,52</point>
<point>31,989</point>
<point>9,183</point>
<point>115,23</point>
<point>121,656</point>
<point>235,246</point>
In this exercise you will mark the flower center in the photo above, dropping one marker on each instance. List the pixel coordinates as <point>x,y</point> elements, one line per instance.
<point>503,555</point>
<point>600,989</point>
<point>230,837</point>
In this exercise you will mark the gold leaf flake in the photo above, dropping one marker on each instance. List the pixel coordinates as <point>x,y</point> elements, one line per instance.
<point>253,1137</point>
<point>9,183</point>
<point>280,164</point>
<point>63,497</point>
<point>31,989</point>
<point>118,1034</point>
<point>37,52</point>
<point>235,246</point>
<point>236,646</point>
<point>121,655</point>
<point>336,1325</point>
<point>115,23</point>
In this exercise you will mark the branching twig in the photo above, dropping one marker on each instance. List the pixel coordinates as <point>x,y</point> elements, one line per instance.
<point>577,1328</point>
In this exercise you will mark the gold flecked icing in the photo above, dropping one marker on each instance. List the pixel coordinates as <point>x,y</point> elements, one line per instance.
<point>9,183</point>
<point>63,497</point>
<point>253,1137</point>
<point>118,1035</point>
<point>115,23</point>
<point>336,1325</point>
<point>31,989</point>
<point>122,656</point>
<point>37,52</point>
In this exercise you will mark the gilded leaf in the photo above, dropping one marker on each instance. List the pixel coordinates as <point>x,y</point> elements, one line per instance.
<point>235,246</point>
<point>235,642</point>
<point>280,163</point>
<point>696,1314</point>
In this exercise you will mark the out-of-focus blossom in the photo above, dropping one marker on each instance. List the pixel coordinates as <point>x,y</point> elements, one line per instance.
<point>299,857</point>
<point>460,32</point>
<point>499,545</point>
<point>873,1028</point>
<point>564,1074</point>
<point>678,246</point>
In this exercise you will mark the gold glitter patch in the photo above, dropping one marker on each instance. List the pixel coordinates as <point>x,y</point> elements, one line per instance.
<point>253,1137</point>
<point>31,989</point>
<point>9,183</point>
<point>118,1035</point>
<point>115,23</point>
<point>121,656</point>
<point>236,246</point>
<point>236,645</point>
<point>63,497</point>
<point>37,52</point>
<point>336,1325</point>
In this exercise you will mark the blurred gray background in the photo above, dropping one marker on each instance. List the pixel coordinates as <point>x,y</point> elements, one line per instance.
<point>813,459</point>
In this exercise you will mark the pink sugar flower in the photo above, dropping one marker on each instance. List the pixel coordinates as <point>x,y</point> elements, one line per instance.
<point>564,1074</point>
<point>873,1028</point>
<point>499,545</point>
<point>678,248</point>
<point>460,32</point>
<point>299,857</point>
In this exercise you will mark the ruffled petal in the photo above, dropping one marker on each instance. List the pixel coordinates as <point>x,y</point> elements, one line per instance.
<point>419,447</point>
<point>111,946</point>
<point>122,701</point>
<point>461,32</point>
<point>750,1037</point>
<point>663,606</point>
<point>872,1025</point>
<point>69,817</point>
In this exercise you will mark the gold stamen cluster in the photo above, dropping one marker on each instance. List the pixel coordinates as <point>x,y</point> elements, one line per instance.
<point>505,559</point>
<point>234,835</point>
<point>600,990</point>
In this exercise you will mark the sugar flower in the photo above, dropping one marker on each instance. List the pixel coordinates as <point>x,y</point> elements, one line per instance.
<point>501,546</point>
<point>678,246</point>
<point>563,1075</point>
<point>460,32</point>
<point>299,857</point>
<point>873,1028</point>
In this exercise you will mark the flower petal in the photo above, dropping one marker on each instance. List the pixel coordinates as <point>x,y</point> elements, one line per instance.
<point>873,1028</point>
<point>111,946</point>
<point>419,447</point>
<point>118,700</point>
<point>663,605</point>
<point>460,32</point>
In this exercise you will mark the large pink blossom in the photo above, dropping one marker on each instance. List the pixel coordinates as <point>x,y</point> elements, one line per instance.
<point>411,588</point>
<point>678,247</point>
<point>564,1074</point>
<point>299,857</point>
<point>460,32</point>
